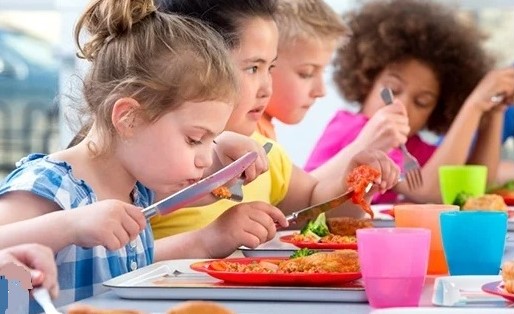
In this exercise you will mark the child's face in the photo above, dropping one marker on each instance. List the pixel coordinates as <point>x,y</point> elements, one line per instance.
<point>254,58</point>
<point>298,78</point>
<point>412,82</point>
<point>173,152</point>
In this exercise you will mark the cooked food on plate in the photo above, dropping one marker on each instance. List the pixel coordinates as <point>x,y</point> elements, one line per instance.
<point>357,180</point>
<point>337,230</point>
<point>341,261</point>
<point>508,276</point>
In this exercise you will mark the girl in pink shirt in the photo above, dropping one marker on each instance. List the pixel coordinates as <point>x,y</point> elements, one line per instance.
<point>441,79</point>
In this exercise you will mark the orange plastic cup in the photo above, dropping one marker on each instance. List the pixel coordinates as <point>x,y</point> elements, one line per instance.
<point>426,216</point>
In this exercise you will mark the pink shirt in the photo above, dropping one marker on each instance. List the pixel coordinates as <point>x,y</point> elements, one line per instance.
<point>344,129</point>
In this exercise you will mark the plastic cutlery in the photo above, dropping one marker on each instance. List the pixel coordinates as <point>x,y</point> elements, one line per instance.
<point>43,298</point>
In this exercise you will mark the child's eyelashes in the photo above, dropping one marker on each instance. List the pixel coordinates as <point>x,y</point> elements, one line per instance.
<point>306,75</point>
<point>252,69</point>
<point>193,142</point>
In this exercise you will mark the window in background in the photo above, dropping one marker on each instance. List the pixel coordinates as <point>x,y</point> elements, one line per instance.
<point>29,84</point>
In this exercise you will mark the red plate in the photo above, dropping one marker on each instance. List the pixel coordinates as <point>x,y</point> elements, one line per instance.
<point>318,245</point>
<point>296,279</point>
<point>497,288</point>
<point>508,200</point>
<point>389,212</point>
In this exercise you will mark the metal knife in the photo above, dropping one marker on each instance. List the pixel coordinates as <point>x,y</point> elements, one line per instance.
<point>201,188</point>
<point>304,215</point>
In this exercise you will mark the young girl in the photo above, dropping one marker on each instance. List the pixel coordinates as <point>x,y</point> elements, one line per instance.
<point>251,33</point>
<point>433,63</point>
<point>159,91</point>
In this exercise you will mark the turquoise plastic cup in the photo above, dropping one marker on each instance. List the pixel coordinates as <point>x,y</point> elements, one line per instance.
<point>473,241</point>
<point>393,264</point>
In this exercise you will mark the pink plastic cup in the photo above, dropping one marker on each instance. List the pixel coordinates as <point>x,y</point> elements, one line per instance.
<point>394,264</point>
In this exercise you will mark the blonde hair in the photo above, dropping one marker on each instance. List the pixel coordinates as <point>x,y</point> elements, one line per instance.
<point>308,19</point>
<point>161,60</point>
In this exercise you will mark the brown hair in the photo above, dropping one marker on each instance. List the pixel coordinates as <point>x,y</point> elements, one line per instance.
<point>387,32</point>
<point>161,60</point>
<point>308,19</point>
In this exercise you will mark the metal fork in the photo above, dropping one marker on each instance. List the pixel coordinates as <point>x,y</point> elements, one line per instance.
<point>236,190</point>
<point>411,167</point>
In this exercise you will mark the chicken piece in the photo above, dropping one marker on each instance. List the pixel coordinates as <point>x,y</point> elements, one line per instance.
<point>347,226</point>
<point>341,261</point>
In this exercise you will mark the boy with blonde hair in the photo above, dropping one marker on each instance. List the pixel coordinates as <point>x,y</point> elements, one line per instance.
<point>309,32</point>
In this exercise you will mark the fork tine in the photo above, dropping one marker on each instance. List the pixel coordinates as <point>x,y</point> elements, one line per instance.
<point>410,183</point>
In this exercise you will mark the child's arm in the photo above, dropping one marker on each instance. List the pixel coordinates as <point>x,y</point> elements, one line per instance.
<point>26,218</point>
<point>38,260</point>
<point>458,141</point>
<point>248,224</point>
<point>305,190</point>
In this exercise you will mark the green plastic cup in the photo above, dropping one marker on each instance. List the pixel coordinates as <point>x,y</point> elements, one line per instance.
<point>470,179</point>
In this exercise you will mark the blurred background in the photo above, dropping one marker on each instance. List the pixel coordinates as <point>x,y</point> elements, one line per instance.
<point>38,70</point>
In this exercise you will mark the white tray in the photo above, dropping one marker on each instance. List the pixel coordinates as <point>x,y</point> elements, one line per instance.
<point>470,290</point>
<point>190,285</point>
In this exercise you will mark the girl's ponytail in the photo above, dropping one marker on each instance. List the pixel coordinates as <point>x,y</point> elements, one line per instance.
<point>108,19</point>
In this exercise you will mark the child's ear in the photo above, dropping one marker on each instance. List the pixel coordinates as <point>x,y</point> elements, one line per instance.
<point>123,116</point>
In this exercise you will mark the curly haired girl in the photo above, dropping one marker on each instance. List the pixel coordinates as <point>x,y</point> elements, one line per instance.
<point>442,81</point>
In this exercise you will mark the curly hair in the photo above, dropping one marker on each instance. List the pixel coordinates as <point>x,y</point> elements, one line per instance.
<point>387,32</point>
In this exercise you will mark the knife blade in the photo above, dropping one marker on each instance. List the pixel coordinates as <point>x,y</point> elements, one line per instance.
<point>304,215</point>
<point>201,188</point>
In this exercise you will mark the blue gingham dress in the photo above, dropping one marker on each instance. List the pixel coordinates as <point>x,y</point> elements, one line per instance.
<point>81,271</point>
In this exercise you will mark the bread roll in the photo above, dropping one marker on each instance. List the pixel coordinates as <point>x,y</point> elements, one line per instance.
<point>508,276</point>
<point>199,307</point>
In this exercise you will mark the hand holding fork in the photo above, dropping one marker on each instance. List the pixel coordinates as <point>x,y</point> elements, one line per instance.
<point>411,167</point>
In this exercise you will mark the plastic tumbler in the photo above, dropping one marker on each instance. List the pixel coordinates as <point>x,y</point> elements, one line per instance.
<point>470,179</point>
<point>474,241</point>
<point>426,216</point>
<point>393,264</point>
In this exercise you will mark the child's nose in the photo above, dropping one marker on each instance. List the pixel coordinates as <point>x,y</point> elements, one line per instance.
<point>203,159</point>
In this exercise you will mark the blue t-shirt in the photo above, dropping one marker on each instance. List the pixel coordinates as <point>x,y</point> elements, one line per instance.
<point>508,124</point>
<point>81,271</point>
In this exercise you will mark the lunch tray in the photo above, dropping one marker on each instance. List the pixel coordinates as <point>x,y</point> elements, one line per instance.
<point>174,280</point>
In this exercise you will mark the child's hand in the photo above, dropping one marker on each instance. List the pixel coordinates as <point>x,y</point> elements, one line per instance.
<point>386,129</point>
<point>230,146</point>
<point>389,171</point>
<point>496,82</point>
<point>39,262</point>
<point>248,224</point>
<point>110,223</point>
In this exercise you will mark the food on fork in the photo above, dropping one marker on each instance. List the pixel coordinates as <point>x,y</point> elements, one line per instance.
<point>357,180</point>
<point>199,307</point>
<point>222,192</point>
<point>508,276</point>
<point>490,202</point>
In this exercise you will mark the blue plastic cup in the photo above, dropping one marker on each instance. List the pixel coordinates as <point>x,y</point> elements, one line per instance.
<point>473,241</point>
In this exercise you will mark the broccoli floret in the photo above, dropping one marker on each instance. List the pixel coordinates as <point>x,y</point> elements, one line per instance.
<point>302,252</point>
<point>317,226</point>
<point>461,198</point>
